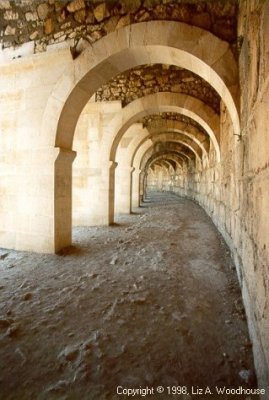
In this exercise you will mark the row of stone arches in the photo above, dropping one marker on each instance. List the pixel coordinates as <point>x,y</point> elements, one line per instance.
<point>150,42</point>
<point>70,157</point>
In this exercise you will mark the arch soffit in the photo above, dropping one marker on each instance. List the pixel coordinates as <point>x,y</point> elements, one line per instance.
<point>161,155</point>
<point>162,163</point>
<point>171,140</point>
<point>170,158</point>
<point>166,102</point>
<point>127,153</point>
<point>139,154</point>
<point>151,151</point>
<point>179,126</point>
<point>173,129</point>
<point>180,137</point>
<point>173,146</point>
<point>166,42</point>
<point>162,136</point>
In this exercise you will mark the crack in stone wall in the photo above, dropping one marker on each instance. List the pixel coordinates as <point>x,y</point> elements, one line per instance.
<point>52,21</point>
<point>141,81</point>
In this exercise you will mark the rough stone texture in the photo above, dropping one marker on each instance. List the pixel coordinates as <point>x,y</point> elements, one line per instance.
<point>134,304</point>
<point>42,10</point>
<point>153,120</point>
<point>87,17</point>
<point>235,192</point>
<point>141,81</point>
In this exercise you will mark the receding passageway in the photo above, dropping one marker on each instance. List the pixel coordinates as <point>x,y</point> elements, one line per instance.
<point>152,300</point>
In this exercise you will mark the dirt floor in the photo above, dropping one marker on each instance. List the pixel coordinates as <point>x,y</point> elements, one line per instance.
<point>152,301</point>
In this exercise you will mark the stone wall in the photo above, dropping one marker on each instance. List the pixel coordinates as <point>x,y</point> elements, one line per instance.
<point>90,172</point>
<point>52,21</point>
<point>26,167</point>
<point>235,192</point>
<point>147,79</point>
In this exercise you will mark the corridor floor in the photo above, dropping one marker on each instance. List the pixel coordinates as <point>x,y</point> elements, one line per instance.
<point>151,301</point>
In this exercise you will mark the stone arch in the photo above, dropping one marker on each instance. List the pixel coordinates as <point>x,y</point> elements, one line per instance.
<point>171,139</point>
<point>169,166</point>
<point>125,170</point>
<point>158,102</point>
<point>178,150</point>
<point>161,163</point>
<point>161,135</point>
<point>168,158</point>
<point>150,158</point>
<point>165,102</point>
<point>179,137</point>
<point>136,164</point>
<point>166,165</point>
<point>141,134</point>
<point>200,137</point>
<point>143,43</point>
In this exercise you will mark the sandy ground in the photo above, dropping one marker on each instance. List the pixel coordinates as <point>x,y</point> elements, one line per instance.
<point>151,301</point>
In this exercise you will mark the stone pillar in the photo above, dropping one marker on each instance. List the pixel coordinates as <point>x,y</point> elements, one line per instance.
<point>135,188</point>
<point>142,182</point>
<point>123,189</point>
<point>110,186</point>
<point>144,186</point>
<point>63,199</point>
<point>43,212</point>
<point>94,200</point>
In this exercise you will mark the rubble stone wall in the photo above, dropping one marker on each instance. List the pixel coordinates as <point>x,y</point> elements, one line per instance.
<point>147,79</point>
<point>48,22</point>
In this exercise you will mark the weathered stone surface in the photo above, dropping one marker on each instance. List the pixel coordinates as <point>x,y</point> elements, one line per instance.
<point>34,35</point>
<point>181,13</point>
<point>95,35</point>
<point>128,6</point>
<point>5,323</point>
<point>42,10</point>
<point>176,88</point>
<point>233,191</point>
<point>31,16</point>
<point>48,26</point>
<point>151,3</point>
<point>10,30</point>
<point>3,255</point>
<point>111,23</point>
<point>142,15</point>
<point>101,12</point>
<point>224,28</point>
<point>216,16</point>
<point>4,4</point>
<point>220,8</point>
<point>154,120</point>
<point>141,81</point>
<point>75,5</point>
<point>202,21</point>
<point>80,16</point>
<point>125,20</point>
<point>10,15</point>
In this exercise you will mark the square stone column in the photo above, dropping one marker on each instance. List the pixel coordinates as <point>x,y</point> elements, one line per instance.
<point>43,197</point>
<point>63,199</point>
<point>135,188</point>
<point>123,189</point>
